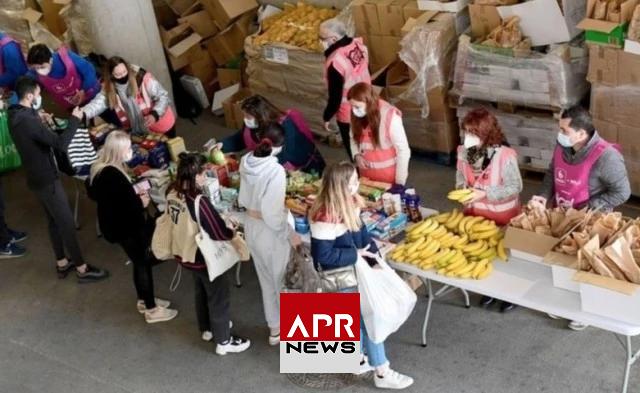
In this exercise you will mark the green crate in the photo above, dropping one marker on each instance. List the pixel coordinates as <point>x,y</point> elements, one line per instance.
<point>615,38</point>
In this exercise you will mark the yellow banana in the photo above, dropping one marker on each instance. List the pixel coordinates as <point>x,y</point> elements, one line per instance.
<point>482,249</point>
<point>441,218</point>
<point>474,220</point>
<point>483,226</point>
<point>455,265</point>
<point>466,198</point>
<point>465,275</point>
<point>480,266</point>
<point>441,271</point>
<point>486,271</point>
<point>482,235</point>
<point>432,227</point>
<point>472,247</point>
<point>447,240</point>
<point>490,254</point>
<point>424,244</point>
<point>438,233</point>
<point>456,195</point>
<point>454,223</point>
<point>431,249</point>
<point>463,224</point>
<point>447,258</point>
<point>414,246</point>
<point>419,227</point>
<point>502,253</point>
<point>461,242</point>
<point>468,268</point>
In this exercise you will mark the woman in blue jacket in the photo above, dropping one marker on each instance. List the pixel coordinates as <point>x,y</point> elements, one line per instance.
<point>338,239</point>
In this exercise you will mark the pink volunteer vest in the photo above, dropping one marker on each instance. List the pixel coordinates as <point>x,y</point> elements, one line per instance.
<point>499,211</point>
<point>571,182</point>
<point>382,159</point>
<point>352,62</point>
<point>63,89</point>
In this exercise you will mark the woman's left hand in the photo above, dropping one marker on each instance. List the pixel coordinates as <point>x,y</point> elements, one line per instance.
<point>149,120</point>
<point>146,200</point>
<point>477,196</point>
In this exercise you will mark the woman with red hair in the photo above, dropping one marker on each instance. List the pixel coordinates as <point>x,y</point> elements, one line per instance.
<point>489,166</point>
<point>378,140</point>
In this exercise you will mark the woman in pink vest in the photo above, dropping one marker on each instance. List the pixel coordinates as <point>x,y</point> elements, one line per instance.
<point>487,165</point>
<point>140,102</point>
<point>378,140</point>
<point>347,63</point>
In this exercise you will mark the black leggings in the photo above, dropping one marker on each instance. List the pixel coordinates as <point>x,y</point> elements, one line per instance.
<point>346,139</point>
<point>137,250</point>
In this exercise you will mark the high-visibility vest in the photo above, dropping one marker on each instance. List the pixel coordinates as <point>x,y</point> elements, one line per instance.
<point>382,159</point>
<point>499,211</point>
<point>352,62</point>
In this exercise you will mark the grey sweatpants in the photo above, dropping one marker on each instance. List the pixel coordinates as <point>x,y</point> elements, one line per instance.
<point>62,227</point>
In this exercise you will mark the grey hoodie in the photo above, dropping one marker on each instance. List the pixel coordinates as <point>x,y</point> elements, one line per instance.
<point>608,181</point>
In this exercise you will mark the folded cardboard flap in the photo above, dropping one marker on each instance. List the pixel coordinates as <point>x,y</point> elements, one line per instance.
<point>201,22</point>
<point>560,259</point>
<point>597,280</point>
<point>183,46</point>
<point>411,23</point>
<point>529,242</point>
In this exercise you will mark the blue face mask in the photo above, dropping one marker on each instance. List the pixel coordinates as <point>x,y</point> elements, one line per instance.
<point>564,140</point>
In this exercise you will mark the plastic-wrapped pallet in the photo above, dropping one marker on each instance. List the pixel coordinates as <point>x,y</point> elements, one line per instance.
<point>532,134</point>
<point>553,80</point>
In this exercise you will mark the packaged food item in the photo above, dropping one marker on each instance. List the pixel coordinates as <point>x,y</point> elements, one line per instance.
<point>387,203</point>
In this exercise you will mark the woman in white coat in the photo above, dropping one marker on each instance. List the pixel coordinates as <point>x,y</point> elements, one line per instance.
<point>269,227</point>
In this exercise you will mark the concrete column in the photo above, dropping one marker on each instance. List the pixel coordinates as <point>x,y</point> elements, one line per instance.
<point>128,28</point>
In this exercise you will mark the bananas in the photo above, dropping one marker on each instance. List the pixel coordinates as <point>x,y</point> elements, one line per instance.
<point>463,195</point>
<point>454,244</point>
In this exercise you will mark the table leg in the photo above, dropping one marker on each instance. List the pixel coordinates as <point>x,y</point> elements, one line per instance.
<point>76,205</point>
<point>631,359</point>
<point>466,298</point>
<point>238,267</point>
<point>427,283</point>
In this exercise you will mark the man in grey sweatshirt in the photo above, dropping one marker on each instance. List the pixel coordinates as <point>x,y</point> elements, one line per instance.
<point>608,183</point>
<point>605,185</point>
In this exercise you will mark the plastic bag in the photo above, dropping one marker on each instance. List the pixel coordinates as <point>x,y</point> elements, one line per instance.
<point>9,156</point>
<point>386,301</point>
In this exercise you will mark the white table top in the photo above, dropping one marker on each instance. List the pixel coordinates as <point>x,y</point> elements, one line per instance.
<point>530,285</point>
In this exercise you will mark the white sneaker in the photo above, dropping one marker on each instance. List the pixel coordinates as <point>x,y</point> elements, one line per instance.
<point>365,367</point>
<point>160,314</point>
<point>159,302</point>
<point>553,316</point>
<point>233,345</point>
<point>577,326</point>
<point>392,380</point>
<point>208,335</point>
<point>274,340</point>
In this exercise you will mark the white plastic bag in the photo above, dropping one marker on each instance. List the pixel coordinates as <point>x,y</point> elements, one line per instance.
<point>386,300</point>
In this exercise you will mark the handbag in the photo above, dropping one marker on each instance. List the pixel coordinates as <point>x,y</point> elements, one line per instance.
<point>219,255</point>
<point>241,247</point>
<point>336,280</point>
<point>161,239</point>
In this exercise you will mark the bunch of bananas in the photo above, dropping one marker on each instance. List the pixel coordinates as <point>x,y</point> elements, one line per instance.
<point>457,245</point>
<point>462,195</point>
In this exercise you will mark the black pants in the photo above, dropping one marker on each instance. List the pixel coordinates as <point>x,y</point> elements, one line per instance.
<point>137,248</point>
<point>213,301</point>
<point>5,237</point>
<point>62,227</point>
<point>346,139</point>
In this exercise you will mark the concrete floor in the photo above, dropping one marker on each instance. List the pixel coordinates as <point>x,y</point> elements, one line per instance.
<point>57,336</point>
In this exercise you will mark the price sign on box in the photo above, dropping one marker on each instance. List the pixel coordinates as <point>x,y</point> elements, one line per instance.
<point>276,55</point>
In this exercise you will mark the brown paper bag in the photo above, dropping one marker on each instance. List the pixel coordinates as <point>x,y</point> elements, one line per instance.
<point>620,253</point>
<point>600,10</point>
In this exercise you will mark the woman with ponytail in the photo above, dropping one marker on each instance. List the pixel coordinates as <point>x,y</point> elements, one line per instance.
<point>269,227</point>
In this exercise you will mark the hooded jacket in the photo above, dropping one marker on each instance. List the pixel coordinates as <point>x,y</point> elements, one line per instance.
<point>35,143</point>
<point>263,184</point>
<point>608,181</point>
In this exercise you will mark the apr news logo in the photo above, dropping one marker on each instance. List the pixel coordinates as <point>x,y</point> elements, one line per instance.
<point>319,332</point>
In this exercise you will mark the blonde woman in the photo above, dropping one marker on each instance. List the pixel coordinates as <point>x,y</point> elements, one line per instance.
<point>268,229</point>
<point>338,238</point>
<point>121,213</point>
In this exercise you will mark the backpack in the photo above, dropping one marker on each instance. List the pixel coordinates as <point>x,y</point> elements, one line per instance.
<point>300,274</point>
<point>175,232</point>
<point>186,106</point>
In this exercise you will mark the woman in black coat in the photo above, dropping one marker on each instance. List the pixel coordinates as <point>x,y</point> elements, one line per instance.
<point>121,213</point>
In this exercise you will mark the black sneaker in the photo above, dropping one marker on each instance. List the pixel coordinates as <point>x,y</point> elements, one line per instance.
<point>506,307</point>
<point>17,236</point>
<point>233,345</point>
<point>64,271</point>
<point>12,251</point>
<point>92,274</point>
<point>486,301</point>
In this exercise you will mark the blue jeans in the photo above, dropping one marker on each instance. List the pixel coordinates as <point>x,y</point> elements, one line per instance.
<point>374,351</point>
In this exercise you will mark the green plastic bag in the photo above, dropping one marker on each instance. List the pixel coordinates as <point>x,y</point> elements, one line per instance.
<point>9,156</point>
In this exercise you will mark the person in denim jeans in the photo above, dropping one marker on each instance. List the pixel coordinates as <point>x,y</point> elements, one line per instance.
<point>338,239</point>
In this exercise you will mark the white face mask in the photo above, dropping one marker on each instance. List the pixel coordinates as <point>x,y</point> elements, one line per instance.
<point>250,123</point>
<point>37,103</point>
<point>353,188</point>
<point>359,111</point>
<point>276,150</point>
<point>564,140</point>
<point>471,140</point>
<point>44,71</point>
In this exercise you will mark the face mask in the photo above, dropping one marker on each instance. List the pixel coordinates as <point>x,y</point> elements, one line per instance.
<point>122,81</point>
<point>359,111</point>
<point>250,123</point>
<point>471,140</point>
<point>37,103</point>
<point>44,71</point>
<point>564,140</point>
<point>276,150</point>
<point>353,188</point>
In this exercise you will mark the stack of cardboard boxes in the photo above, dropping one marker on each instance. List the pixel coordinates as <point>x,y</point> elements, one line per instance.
<point>204,38</point>
<point>615,103</point>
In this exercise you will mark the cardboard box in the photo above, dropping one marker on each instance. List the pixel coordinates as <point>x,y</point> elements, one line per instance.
<point>611,33</point>
<point>202,23</point>
<point>228,44</point>
<point>609,297</point>
<point>411,10</point>
<point>607,130</point>
<point>529,246</point>
<point>365,18</point>
<point>382,50</point>
<point>617,105</point>
<point>174,35</point>
<point>434,5</point>
<point>633,171</point>
<point>183,7</point>
<point>613,67</point>
<point>224,12</point>
<point>629,140</point>
<point>430,136</point>
<point>391,17</point>
<point>204,69</point>
<point>51,15</point>
<point>563,269</point>
<point>228,77</point>
<point>484,18</point>
<point>181,44</point>
<point>233,115</point>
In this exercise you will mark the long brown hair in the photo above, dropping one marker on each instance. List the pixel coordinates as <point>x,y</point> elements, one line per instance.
<point>109,84</point>
<point>190,165</point>
<point>262,109</point>
<point>364,92</point>
<point>483,124</point>
<point>334,198</point>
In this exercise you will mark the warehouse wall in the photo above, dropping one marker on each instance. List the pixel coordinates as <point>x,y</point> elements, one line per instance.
<point>128,28</point>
